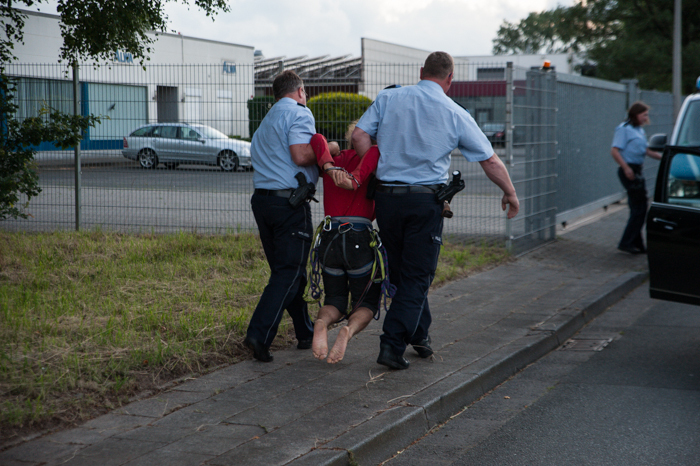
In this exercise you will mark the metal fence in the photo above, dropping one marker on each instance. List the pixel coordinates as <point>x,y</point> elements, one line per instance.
<point>552,130</point>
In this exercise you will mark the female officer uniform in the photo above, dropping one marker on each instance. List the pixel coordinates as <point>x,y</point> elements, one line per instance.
<point>631,142</point>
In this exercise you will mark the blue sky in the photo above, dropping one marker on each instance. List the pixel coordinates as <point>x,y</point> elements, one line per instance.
<point>334,27</point>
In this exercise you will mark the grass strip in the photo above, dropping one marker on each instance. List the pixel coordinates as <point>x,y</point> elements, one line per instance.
<point>89,319</point>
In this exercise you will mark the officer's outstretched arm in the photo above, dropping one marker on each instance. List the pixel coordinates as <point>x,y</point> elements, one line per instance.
<point>303,154</point>
<point>497,172</point>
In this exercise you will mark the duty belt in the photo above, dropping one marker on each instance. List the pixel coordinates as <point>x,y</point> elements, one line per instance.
<point>274,192</point>
<point>406,189</point>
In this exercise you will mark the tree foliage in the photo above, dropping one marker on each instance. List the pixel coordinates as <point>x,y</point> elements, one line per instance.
<point>334,111</point>
<point>623,38</point>
<point>257,109</point>
<point>91,30</point>
<point>94,29</point>
<point>18,176</point>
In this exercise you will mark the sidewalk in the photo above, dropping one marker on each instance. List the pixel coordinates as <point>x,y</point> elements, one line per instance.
<point>300,411</point>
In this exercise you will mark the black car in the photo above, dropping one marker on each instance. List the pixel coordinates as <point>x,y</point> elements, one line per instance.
<point>673,222</point>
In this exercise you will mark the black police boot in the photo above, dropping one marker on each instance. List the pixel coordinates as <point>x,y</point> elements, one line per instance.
<point>304,344</point>
<point>387,357</point>
<point>260,351</point>
<point>423,348</point>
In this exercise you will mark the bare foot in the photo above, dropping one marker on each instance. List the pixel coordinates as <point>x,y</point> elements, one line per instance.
<point>320,344</point>
<point>341,343</point>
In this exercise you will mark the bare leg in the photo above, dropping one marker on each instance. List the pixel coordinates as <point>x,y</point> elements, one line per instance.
<point>327,315</point>
<point>356,323</point>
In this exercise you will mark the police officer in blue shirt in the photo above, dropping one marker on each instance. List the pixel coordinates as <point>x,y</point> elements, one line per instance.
<point>416,128</point>
<point>629,147</point>
<point>280,149</point>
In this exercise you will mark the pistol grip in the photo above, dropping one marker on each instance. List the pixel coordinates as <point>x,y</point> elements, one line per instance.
<point>446,211</point>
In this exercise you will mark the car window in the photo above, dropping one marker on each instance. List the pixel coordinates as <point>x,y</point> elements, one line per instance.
<point>689,133</point>
<point>142,132</point>
<point>189,133</point>
<point>211,133</point>
<point>169,132</point>
<point>493,127</point>
<point>684,180</point>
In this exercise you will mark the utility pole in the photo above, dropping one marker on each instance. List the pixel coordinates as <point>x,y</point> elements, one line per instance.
<point>78,168</point>
<point>677,60</point>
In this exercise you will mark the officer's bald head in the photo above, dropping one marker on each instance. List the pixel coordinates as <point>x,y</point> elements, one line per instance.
<point>438,65</point>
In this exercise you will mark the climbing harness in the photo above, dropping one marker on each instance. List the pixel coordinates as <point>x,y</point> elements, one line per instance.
<point>379,270</point>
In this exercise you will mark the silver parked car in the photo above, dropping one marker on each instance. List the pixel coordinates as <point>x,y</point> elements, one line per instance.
<point>176,143</point>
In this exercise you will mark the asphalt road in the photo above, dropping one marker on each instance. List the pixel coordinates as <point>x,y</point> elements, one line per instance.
<point>117,194</point>
<point>635,402</point>
<point>111,171</point>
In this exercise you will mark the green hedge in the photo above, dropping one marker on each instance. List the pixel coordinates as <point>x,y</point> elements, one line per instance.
<point>334,111</point>
<point>257,109</point>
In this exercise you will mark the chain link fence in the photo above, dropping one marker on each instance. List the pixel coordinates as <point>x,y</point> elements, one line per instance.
<point>553,131</point>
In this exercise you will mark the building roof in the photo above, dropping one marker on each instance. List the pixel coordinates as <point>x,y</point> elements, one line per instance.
<point>323,67</point>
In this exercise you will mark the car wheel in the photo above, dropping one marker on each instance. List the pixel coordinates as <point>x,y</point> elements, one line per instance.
<point>228,161</point>
<point>148,159</point>
<point>172,165</point>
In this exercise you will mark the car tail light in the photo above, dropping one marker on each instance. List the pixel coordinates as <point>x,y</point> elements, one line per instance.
<point>126,144</point>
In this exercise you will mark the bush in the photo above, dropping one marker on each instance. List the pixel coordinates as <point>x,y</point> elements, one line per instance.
<point>257,109</point>
<point>334,111</point>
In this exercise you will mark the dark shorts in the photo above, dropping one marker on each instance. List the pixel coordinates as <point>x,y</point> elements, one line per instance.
<point>346,260</point>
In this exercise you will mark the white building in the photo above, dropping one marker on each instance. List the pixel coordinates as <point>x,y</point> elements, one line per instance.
<point>385,64</point>
<point>186,79</point>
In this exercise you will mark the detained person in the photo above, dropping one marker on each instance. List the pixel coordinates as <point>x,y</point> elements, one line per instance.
<point>348,247</point>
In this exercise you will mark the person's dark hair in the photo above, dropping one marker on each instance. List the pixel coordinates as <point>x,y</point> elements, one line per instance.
<point>438,65</point>
<point>636,109</point>
<point>285,83</point>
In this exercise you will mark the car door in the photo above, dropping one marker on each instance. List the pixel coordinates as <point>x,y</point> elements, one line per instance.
<point>673,228</point>
<point>165,142</point>
<point>192,145</point>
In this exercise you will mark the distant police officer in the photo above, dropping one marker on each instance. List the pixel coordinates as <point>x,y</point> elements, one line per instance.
<point>416,128</point>
<point>280,150</point>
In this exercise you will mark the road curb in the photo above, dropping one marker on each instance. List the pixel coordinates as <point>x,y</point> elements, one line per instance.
<point>382,436</point>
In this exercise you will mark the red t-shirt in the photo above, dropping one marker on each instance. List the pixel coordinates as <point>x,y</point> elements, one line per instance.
<point>339,202</point>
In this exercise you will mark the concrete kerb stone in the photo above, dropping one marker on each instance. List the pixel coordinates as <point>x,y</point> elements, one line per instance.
<point>394,429</point>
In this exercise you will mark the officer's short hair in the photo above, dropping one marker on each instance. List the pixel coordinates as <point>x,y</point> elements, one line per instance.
<point>438,65</point>
<point>285,83</point>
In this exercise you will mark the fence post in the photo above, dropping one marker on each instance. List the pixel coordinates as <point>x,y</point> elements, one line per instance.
<point>509,143</point>
<point>76,112</point>
<point>632,91</point>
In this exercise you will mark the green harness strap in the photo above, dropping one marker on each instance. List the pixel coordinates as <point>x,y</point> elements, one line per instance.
<point>313,290</point>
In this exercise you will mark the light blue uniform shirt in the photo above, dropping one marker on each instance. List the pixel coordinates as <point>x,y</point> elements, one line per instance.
<point>416,128</point>
<point>287,123</point>
<point>631,142</point>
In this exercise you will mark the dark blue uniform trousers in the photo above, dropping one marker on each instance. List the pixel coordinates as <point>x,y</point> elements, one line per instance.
<point>285,233</point>
<point>410,226</point>
<point>637,201</point>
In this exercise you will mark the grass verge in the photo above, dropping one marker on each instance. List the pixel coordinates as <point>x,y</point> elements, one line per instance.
<point>88,320</point>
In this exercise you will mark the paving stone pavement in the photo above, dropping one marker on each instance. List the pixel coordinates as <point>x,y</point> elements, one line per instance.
<point>300,411</point>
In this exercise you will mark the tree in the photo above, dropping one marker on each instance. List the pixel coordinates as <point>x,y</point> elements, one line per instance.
<point>334,111</point>
<point>622,38</point>
<point>91,30</point>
